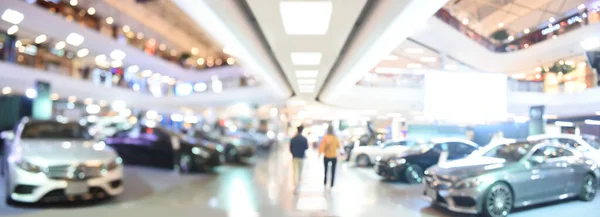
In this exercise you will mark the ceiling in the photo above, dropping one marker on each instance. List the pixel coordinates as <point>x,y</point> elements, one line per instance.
<point>343,16</point>
<point>486,16</point>
<point>161,17</point>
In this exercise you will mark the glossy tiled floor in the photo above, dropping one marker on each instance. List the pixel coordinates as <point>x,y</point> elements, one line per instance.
<point>264,189</point>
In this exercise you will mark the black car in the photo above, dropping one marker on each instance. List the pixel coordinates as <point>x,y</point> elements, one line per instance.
<point>163,148</point>
<point>410,167</point>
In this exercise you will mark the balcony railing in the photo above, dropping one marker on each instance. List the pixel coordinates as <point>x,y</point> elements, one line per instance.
<point>521,41</point>
<point>65,62</point>
<point>551,83</point>
<point>123,33</point>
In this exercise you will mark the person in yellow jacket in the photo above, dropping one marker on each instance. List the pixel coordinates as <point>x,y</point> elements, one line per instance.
<point>330,145</point>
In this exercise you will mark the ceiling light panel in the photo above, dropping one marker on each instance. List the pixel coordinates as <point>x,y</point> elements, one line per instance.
<point>307,73</point>
<point>75,39</point>
<point>306,87</point>
<point>12,16</point>
<point>306,17</point>
<point>306,58</point>
<point>307,81</point>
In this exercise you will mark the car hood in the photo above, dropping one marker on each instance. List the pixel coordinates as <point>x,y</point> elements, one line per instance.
<point>57,151</point>
<point>468,167</point>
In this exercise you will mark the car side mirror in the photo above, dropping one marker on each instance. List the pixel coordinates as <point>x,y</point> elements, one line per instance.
<point>537,159</point>
<point>7,135</point>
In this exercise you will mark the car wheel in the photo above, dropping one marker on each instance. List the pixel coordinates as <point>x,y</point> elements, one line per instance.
<point>588,188</point>
<point>413,174</point>
<point>498,200</point>
<point>231,154</point>
<point>185,164</point>
<point>362,160</point>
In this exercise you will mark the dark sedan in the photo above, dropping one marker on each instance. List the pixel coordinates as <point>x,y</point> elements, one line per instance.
<point>163,148</point>
<point>410,166</point>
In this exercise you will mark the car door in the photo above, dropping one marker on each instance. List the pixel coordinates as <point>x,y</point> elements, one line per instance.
<point>547,179</point>
<point>568,161</point>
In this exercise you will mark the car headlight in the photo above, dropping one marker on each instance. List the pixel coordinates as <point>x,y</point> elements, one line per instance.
<point>200,152</point>
<point>394,162</point>
<point>114,163</point>
<point>29,167</point>
<point>468,183</point>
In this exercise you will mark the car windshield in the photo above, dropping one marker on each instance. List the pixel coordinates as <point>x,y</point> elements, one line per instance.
<point>511,152</point>
<point>593,141</point>
<point>54,130</point>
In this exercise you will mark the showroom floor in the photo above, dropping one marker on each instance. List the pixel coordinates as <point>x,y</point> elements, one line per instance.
<point>265,189</point>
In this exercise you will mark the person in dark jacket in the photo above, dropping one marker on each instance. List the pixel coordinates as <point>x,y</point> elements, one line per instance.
<point>298,146</point>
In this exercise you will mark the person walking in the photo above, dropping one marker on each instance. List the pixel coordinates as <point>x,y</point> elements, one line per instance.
<point>330,145</point>
<point>298,146</point>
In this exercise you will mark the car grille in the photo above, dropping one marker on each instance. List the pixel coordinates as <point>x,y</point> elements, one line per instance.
<point>74,172</point>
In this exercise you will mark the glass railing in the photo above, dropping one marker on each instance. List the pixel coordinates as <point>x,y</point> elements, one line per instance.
<point>404,80</point>
<point>47,58</point>
<point>521,41</point>
<point>549,83</point>
<point>108,26</point>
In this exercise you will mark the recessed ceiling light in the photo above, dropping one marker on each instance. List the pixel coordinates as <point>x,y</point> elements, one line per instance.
<point>552,19</point>
<point>194,51</point>
<point>307,81</point>
<point>581,7</point>
<point>110,20</point>
<point>91,10</point>
<point>60,45</point>
<point>73,2</point>
<point>390,57</point>
<point>12,16</point>
<point>500,25</point>
<point>428,59</point>
<point>116,63</point>
<point>306,18</point>
<point>511,38</point>
<point>40,39</point>
<point>306,58</point>
<point>75,39</point>
<point>133,68</point>
<point>126,28</point>
<point>413,50</point>
<point>117,54</point>
<point>12,30</point>
<point>83,52</point>
<point>414,66</point>
<point>307,73</point>
<point>526,31</point>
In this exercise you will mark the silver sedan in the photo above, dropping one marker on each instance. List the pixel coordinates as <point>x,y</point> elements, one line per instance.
<point>506,176</point>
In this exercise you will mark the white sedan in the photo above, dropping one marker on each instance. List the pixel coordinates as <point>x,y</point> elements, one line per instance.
<point>48,161</point>
<point>367,155</point>
<point>587,144</point>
